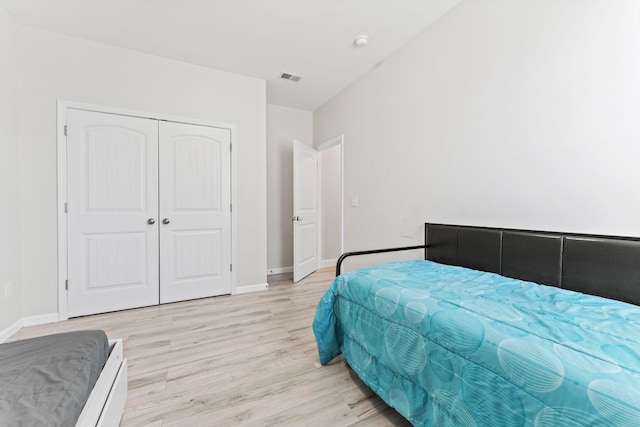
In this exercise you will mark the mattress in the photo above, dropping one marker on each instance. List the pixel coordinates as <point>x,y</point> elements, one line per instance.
<point>447,345</point>
<point>45,381</point>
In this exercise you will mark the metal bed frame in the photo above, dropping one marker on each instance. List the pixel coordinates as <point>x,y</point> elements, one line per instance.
<point>607,266</point>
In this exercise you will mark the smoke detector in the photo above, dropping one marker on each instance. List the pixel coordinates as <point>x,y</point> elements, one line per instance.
<point>361,41</point>
<point>291,77</point>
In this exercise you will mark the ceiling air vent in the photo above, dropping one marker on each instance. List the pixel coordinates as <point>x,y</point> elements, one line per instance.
<point>291,77</point>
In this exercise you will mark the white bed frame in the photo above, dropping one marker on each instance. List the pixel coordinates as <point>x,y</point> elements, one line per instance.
<point>105,405</point>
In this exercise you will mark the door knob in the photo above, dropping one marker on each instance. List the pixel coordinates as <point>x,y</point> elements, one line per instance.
<point>151,221</point>
<point>296,218</point>
<point>166,221</point>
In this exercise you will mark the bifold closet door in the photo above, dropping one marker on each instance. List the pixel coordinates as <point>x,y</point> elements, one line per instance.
<point>195,211</point>
<point>112,187</point>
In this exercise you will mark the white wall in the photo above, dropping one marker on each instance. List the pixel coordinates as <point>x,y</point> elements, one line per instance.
<point>10,222</point>
<point>59,67</point>
<point>283,126</point>
<point>522,114</point>
<point>330,177</point>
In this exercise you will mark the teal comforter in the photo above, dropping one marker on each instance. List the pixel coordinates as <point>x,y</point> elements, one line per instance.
<point>451,346</point>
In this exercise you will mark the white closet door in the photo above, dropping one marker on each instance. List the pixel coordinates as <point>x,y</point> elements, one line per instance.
<point>112,185</point>
<point>195,211</point>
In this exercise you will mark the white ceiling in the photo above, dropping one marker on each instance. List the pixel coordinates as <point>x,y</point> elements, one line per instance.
<point>256,38</point>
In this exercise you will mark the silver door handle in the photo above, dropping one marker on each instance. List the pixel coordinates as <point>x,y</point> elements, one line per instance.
<point>151,221</point>
<point>166,221</point>
<point>296,218</point>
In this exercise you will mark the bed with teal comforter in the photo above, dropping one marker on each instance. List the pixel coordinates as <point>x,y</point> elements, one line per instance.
<point>448,346</point>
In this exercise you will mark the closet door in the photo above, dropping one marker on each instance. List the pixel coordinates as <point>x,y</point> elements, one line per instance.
<point>112,186</point>
<point>195,211</point>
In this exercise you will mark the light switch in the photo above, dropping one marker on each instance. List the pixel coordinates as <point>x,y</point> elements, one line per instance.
<point>354,201</point>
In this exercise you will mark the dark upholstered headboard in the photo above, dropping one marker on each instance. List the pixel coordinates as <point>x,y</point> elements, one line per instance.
<point>598,265</point>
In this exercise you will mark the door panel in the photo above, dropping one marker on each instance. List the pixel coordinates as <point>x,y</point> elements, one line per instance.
<point>305,210</point>
<point>112,170</point>
<point>195,199</point>
<point>196,253</point>
<point>115,259</point>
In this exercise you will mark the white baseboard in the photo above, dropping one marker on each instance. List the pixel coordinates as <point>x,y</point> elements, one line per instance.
<point>40,319</point>
<point>10,331</point>
<point>321,264</point>
<point>27,321</point>
<point>251,288</point>
<point>280,270</point>
<point>327,263</point>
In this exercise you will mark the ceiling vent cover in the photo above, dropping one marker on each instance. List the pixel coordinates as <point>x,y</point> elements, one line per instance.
<point>290,77</point>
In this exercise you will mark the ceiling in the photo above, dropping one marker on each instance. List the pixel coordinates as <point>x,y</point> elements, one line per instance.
<point>256,38</point>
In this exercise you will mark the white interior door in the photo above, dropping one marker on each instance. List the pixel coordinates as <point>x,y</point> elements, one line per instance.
<point>305,210</point>
<point>112,188</point>
<point>195,211</point>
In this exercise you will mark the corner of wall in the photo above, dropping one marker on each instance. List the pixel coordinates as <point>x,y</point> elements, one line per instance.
<point>11,298</point>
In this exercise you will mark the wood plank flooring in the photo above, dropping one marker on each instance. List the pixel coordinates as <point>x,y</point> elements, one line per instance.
<point>243,360</point>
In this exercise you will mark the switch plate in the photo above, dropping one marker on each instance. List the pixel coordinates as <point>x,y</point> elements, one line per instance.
<point>354,201</point>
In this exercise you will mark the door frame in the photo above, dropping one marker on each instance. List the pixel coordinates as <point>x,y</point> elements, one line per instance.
<point>61,150</point>
<point>330,143</point>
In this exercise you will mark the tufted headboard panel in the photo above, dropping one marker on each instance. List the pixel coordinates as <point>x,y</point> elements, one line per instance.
<point>599,265</point>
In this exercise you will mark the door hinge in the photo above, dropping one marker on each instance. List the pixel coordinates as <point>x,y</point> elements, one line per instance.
<point>231,148</point>
<point>66,207</point>
<point>230,267</point>
<point>65,130</point>
<point>230,207</point>
<point>66,285</point>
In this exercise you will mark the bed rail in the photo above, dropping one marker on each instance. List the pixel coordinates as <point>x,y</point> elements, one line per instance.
<point>375,251</point>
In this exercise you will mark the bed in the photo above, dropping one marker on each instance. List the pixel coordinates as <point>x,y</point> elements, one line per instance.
<point>494,327</point>
<point>75,378</point>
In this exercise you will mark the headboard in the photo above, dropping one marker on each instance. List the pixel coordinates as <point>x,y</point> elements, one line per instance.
<point>599,265</point>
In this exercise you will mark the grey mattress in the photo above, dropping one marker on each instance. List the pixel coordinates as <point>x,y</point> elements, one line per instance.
<point>45,381</point>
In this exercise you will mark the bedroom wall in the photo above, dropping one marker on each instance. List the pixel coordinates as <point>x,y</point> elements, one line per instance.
<point>10,222</point>
<point>502,113</point>
<point>59,67</point>
<point>283,126</point>
<point>330,178</point>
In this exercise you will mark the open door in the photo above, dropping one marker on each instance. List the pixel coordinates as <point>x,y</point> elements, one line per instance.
<point>305,210</point>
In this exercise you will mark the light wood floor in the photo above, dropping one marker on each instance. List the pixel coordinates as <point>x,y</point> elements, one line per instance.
<point>243,360</point>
